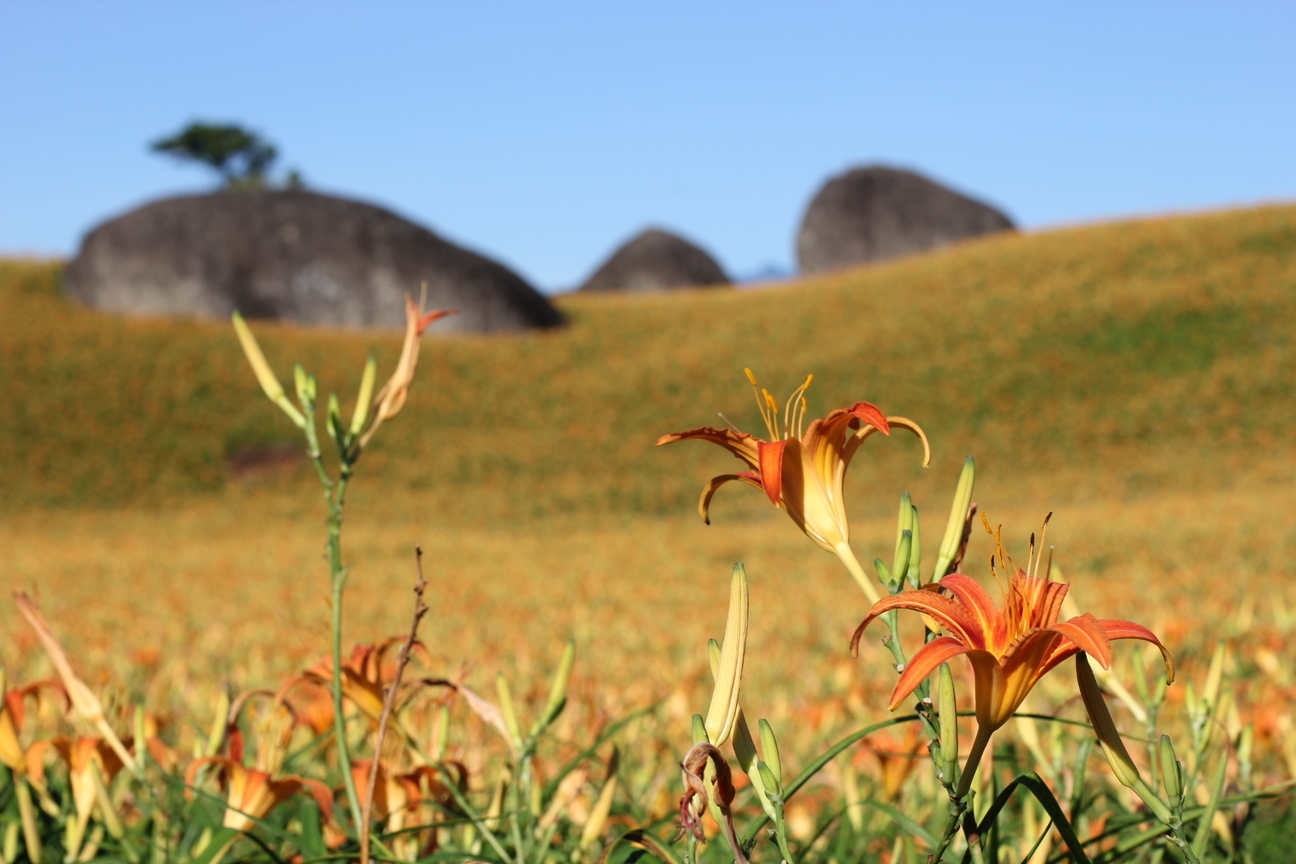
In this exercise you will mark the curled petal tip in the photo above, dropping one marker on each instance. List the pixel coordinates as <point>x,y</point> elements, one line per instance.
<point>871,414</point>
<point>434,315</point>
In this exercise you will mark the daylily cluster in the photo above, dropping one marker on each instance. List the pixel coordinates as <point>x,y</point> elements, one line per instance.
<point>1010,646</point>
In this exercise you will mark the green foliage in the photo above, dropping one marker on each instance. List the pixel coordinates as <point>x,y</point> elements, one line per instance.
<point>241,157</point>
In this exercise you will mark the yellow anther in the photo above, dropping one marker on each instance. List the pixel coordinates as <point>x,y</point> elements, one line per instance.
<point>806,385</point>
<point>750,376</point>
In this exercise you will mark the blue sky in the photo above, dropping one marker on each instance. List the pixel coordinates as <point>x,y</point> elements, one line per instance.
<point>544,134</point>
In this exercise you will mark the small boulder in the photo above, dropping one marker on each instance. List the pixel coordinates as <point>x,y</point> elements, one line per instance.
<point>874,213</point>
<point>656,260</point>
<point>295,256</point>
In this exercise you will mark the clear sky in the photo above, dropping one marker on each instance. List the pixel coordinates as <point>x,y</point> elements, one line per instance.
<point>545,133</point>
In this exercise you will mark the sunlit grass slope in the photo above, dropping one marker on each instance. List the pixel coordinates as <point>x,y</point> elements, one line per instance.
<point>1137,378</point>
<point>1126,355</point>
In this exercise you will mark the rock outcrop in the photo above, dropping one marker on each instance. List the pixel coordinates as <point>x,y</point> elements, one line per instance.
<point>656,260</point>
<point>874,213</point>
<point>296,256</point>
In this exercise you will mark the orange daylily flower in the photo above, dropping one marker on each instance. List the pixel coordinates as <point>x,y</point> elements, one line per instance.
<point>251,794</point>
<point>13,755</point>
<point>85,757</point>
<point>363,675</point>
<point>802,470</point>
<point>1011,647</point>
<point>404,800</point>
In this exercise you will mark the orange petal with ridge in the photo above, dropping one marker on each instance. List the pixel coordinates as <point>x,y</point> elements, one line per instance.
<point>770,457</point>
<point>926,661</point>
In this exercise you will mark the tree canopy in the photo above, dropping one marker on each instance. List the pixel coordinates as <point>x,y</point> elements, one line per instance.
<point>240,156</point>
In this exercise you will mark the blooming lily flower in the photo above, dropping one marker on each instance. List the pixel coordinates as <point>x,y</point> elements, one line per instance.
<point>92,766</point>
<point>13,755</point>
<point>800,469</point>
<point>1011,647</point>
<point>251,794</point>
<point>363,676</point>
<point>402,801</point>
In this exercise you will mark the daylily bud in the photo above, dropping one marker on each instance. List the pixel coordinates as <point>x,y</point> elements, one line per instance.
<point>723,713</point>
<point>9,849</point>
<point>506,707</point>
<point>1171,771</point>
<point>767,777</point>
<point>883,572</point>
<point>745,752</point>
<point>31,829</point>
<point>904,522</point>
<point>744,747</point>
<point>598,817</point>
<point>953,538</point>
<point>915,554</point>
<point>1104,727</point>
<point>1113,747</point>
<point>335,430</point>
<point>769,746</point>
<point>1215,676</point>
<point>699,729</point>
<point>901,565</point>
<point>305,385</point>
<point>361,413</point>
<point>557,691</point>
<point>947,707</point>
<point>264,374</point>
<point>220,722</point>
<point>713,655</point>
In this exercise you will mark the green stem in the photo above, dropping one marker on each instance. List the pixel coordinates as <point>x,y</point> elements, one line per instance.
<point>973,760</point>
<point>780,834</point>
<point>335,498</point>
<point>847,556</point>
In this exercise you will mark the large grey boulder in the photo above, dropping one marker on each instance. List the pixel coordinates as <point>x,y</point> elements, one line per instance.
<point>869,214</point>
<point>656,260</point>
<point>297,256</point>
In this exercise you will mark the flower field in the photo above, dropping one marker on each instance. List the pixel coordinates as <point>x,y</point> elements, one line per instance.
<point>1134,379</point>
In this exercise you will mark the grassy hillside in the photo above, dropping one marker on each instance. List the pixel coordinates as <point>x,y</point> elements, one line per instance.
<point>1126,356</point>
<point>1137,378</point>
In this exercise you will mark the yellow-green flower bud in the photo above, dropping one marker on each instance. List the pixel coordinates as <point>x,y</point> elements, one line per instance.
<point>1171,771</point>
<point>769,747</point>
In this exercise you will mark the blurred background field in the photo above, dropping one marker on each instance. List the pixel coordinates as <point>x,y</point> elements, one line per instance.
<point>1134,378</point>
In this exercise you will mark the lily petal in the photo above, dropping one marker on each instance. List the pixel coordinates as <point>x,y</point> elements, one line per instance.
<point>770,457</point>
<point>927,660</point>
<point>869,413</point>
<point>950,614</point>
<point>1117,629</point>
<point>739,444</point>
<point>1089,634</point>
<point>977,601</point>
<point>704,503</point>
